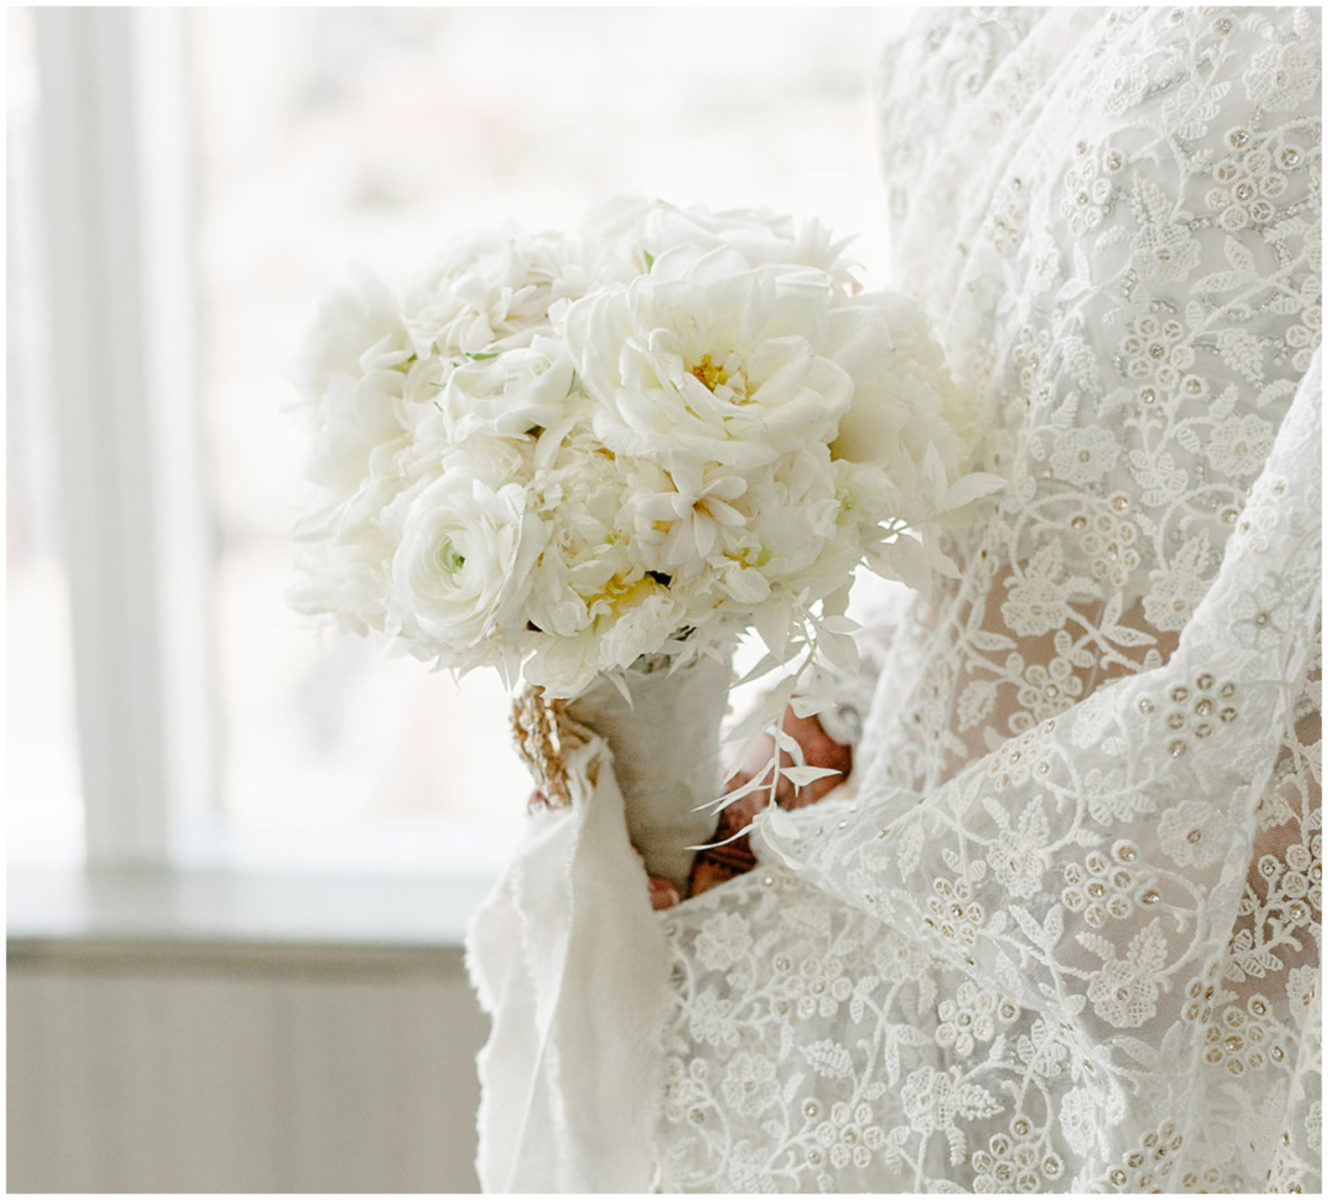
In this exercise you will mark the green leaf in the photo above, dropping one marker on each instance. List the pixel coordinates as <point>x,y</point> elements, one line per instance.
<point>650,259</point>
<point>482,357</point>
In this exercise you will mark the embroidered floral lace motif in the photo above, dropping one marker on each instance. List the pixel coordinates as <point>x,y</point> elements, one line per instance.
<point>1066,934</point>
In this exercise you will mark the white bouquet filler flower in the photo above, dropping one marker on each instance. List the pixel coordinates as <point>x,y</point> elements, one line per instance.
<point>591,459</point>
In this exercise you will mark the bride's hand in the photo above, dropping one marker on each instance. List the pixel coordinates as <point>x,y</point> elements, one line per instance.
<point>722,863</point>
<point>717,865</point>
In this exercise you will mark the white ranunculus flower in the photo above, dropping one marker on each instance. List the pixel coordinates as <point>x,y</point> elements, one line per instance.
<point>462,568</point>
<point>724,365</point>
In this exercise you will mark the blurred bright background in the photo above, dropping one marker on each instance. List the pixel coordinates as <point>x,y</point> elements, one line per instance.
<point>310,138</point>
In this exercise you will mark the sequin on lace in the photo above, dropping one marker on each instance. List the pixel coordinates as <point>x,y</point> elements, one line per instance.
<point>994,973</point>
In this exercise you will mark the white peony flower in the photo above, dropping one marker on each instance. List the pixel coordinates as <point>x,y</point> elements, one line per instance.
<point>463,565</point>
<point>517,391</point>
<point>903,397</point>
<point>490,286</point>
<point>346,577</point>
<point>723,364</point>
<point>351,374</point>
<point>358,329</point>
<point>627,234</point>
<point>579,493</point>
<point>791,513</point>
<point>350,380</point>
<point>632,615</point>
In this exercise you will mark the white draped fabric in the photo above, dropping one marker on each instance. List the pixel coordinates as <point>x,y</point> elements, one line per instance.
<point>1064,934</point>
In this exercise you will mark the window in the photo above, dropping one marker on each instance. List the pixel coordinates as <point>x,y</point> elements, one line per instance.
<point>272,146</point>
<point>42,774</point>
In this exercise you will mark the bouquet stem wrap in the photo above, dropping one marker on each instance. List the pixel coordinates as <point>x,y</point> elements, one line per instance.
<point>665,746</point>
<point>566,952</point>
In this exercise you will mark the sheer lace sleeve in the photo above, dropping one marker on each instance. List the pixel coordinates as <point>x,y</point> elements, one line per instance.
<point>1066,933</point>
<point>1093,867</point>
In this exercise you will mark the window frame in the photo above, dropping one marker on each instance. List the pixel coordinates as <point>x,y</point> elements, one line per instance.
<point>118,250</point>
<point>117,256</point>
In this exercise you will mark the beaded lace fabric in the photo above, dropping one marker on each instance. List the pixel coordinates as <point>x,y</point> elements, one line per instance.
<point>1065,935</point>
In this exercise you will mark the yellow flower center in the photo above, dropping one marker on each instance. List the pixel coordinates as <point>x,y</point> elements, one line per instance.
<point>726,380</point>
<point>622,595</point>
<point>709,373</point>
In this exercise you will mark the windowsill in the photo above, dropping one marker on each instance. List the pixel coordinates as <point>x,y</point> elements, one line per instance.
<point>263,909</point>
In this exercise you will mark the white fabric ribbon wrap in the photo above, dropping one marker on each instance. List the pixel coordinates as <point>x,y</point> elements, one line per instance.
<point>570,959</point>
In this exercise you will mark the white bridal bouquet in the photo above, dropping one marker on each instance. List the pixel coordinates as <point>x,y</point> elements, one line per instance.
<point>556,454</point>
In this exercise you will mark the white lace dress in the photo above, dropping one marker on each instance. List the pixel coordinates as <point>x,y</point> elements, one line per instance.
<point>1065,936</point>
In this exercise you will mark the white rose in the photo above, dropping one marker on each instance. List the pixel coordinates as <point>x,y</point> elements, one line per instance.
<point>723,365</point>
<point>463,565</point>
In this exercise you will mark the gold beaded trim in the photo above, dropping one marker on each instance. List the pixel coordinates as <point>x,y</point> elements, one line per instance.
<point>544,731</point>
